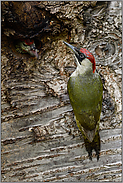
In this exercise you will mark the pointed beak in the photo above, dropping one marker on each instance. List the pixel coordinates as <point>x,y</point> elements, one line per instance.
<point>71,47</point>
<point>33,51</point>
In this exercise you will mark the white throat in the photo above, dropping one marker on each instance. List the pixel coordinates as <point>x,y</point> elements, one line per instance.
<point>84,68</point>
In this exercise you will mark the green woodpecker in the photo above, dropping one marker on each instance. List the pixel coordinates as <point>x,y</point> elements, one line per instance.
<point>27,46</point>
<point>85,91</point>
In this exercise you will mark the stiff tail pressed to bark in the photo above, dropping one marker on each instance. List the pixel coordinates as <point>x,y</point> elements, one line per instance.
<point>95,144</point>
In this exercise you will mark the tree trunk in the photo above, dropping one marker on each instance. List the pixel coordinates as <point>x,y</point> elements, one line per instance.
<point>40,139</point>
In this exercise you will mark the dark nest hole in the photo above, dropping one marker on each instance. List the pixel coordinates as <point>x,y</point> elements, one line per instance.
<point>38,45</point>
<point>9,43</point>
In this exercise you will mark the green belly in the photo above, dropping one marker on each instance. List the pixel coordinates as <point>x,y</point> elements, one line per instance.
<point>86,99</point>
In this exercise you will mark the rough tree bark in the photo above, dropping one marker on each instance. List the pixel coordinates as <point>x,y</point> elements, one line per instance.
<point>34,95</point>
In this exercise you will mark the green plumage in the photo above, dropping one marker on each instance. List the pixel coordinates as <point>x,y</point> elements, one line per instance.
<point>85,91</point>
<point>26,47</point>
<point>19,47</point>
<point>85,95</point>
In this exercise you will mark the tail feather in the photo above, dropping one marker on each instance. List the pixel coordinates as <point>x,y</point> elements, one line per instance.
<point>91,139</point>
<point>89,134</point>
<point>95,144</point>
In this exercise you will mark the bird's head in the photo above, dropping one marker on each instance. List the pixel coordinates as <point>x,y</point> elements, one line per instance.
<point>81,54</point>
<point>28,46</point>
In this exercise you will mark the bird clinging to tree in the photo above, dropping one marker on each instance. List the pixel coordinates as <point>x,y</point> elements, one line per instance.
<point>85,91</point>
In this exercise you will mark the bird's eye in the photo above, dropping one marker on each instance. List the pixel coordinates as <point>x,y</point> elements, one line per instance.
<point>24,44</point>
<point>81,56</point>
